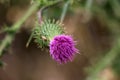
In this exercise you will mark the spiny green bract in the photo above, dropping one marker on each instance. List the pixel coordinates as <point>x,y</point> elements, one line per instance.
<point>45,31</point>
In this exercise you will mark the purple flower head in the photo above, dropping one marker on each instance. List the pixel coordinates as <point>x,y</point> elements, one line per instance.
<point>62,48</point>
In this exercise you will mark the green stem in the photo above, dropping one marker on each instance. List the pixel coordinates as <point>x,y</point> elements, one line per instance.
<point>65,7</point>
<point>50,5</point>
<point>29,12</point>
<point>104,62</point>
<point>29,40</point>
<point>89,5</point>
<point>5,42</point>
<point>9,37</point>
<point>40,14</point>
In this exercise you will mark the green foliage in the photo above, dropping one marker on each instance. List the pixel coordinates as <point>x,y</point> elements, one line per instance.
<point>15,28</point>
<point>116,65</point>
<point>44,2</point>
<point>109,11</point>
<point>1,64</point>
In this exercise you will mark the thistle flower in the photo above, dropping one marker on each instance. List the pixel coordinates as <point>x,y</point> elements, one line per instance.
<point>62,48</point>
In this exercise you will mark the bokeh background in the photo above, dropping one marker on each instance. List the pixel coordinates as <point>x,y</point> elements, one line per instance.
<point>95,25</point>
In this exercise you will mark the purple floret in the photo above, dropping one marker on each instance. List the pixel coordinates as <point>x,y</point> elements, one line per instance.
<point>62,48</point>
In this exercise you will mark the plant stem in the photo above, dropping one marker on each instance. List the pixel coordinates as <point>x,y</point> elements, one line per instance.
<point>65,7</point>
<point>89,5</point>
<point>5,42</point>
<point>40,14</point>
<point>105,61</point>
<point>9,37</point>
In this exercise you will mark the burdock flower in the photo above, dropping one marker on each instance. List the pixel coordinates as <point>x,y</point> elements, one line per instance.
<point>62,48</point>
